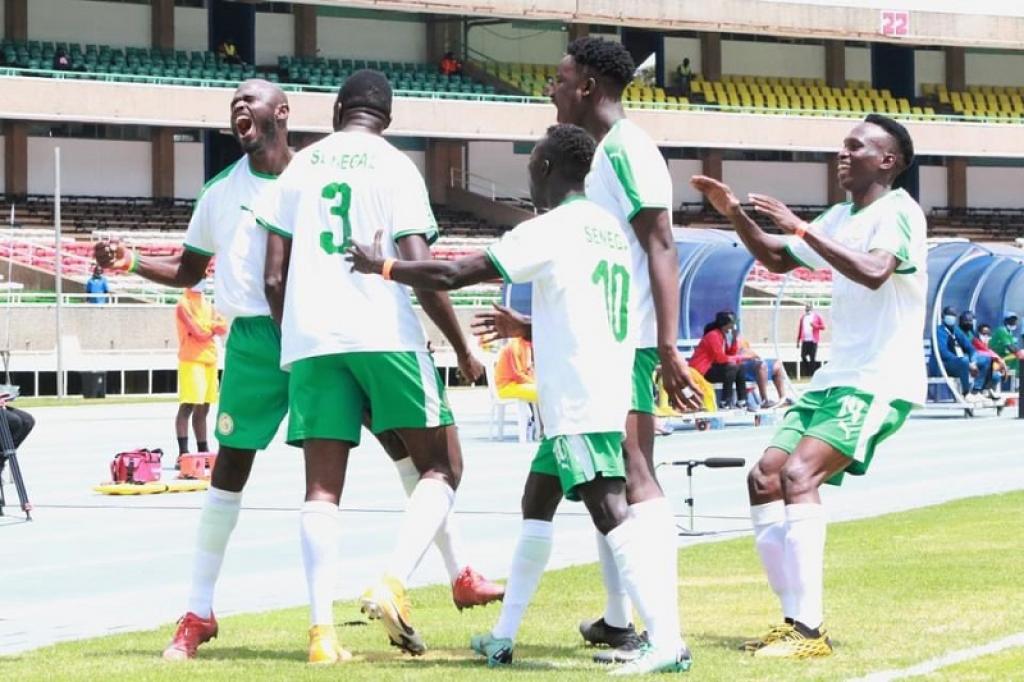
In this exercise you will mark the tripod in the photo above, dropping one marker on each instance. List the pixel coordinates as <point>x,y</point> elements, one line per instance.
<point>10,455</point>
<point>711,463</point>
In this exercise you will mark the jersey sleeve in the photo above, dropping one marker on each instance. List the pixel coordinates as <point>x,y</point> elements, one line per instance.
<point>411,212</point>
<point>802,253</point>
<point>897,232</point>
<point>275,207</point>
<point>524,254</point>
<point>642,177</point>
<point>199,235</point>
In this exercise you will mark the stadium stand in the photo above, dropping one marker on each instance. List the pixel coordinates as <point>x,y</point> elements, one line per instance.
<point>991,102</point>
<point>84,214</point>
<point>412,78</point>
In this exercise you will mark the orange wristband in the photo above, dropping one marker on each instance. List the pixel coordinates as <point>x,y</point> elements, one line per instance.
<point>385,271</point>
<point>801,231</point>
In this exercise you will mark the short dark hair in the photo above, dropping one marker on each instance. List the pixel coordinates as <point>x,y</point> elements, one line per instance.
<point>366,89</point>
<point>571,149</point>
<point>609,59</point>
<point>899,134</point>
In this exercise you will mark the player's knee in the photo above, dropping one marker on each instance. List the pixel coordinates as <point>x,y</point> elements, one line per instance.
<point>798,478</point>
<point>762,483</point>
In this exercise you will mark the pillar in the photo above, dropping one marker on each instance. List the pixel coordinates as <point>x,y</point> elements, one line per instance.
<point>305,30</point>
<point>442,158</point>
<point>578,31</point>
<point>835,63</point>
<point>956,181</point>
<point>444,34</point>
<point>162,24</point>
<point>711,163</point>
<point>162,162</point>
<point>15,157</point>
<point>711,56</point>
<point>16,19</point>
<point>956,69</point>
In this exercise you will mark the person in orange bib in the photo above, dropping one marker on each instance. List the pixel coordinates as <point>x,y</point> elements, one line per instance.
<point>197,324</point>
<point>513,371</point>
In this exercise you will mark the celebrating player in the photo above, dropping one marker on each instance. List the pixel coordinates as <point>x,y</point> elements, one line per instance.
<point>354,344</point>
<point>577,257</point>
<point>875,247</point>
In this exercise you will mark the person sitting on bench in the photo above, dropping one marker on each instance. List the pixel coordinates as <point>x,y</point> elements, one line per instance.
<point>513,371</point>
<point>717,358</point>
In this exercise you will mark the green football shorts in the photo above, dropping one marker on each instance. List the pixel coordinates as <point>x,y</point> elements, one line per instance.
<point>578,459</point>
<point>852,421</point>
<point>644,362</point>
<point>330,393</point>
<point>253,389</point>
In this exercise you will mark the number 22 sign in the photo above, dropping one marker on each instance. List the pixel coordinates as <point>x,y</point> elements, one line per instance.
<point>896,23</point>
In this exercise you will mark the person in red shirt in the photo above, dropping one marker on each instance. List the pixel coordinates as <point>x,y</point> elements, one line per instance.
<point>718,358</point>
<point>980,343</point>
<point>808,336</point>
<point>450,65</point>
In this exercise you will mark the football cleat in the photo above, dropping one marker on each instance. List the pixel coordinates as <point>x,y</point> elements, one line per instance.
<point>192,631</point>
<point>388,602</point>
<point>630,648</point>
<point>498,652</point>
<point>774,633</point>
<point>472,589</point>
<point>794,645</point>
<point>324,648</point>
<point>599,633</point>
<point>653,660</point>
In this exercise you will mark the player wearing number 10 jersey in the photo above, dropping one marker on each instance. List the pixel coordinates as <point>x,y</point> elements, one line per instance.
<point>578,259</point>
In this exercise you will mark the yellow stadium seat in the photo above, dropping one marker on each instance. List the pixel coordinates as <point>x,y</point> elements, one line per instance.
<point>944,97</point>
<point>904,105</point>
<point>927,88</point>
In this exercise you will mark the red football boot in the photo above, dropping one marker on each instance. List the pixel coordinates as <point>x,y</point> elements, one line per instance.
<point>472,589</point>
<point>192,631</point>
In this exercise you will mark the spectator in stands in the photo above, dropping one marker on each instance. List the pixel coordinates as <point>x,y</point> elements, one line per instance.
<point>450,66</point>
<point>61,60</point>
<point>808,336</point>
<point>197,324</point>
<point>513,371</point>
<point>228,51</point>
<point>959,357</point>
<point>758,370</point>
<point>717,358</point>
<point>981,344</point>
<point>684,75</point>
<point>1006,341</point>
<point>97,287</point>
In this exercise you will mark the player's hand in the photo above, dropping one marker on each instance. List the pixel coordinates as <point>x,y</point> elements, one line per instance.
<point>470,368</point>
<point>500,323</point>
<point>683,392</point>
<point>366,259</point>
<point>718,193</point>
<point>111,255</point>
<point>778,212</point>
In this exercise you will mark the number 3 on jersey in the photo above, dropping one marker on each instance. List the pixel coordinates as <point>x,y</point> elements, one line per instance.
<point>340,193</point>
<point>615,280</point>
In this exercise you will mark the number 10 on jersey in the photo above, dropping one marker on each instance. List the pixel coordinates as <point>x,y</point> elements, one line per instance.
<point>615,281</point>
<point>340,194</point>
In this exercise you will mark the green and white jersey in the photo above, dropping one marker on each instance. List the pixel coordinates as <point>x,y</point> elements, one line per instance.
<point>223,225</point>
<point>345,188</point>
<point>876,335</point>
<point>629,174</point>
<point>577,258</point>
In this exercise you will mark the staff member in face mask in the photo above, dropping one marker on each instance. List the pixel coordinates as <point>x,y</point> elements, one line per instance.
<point>959,357</point>
<point>197,324</point>
<point>981,344</point>
<point>1006,341</point>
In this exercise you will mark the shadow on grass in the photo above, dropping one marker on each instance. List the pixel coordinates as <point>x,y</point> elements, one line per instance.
<point>234,653</point>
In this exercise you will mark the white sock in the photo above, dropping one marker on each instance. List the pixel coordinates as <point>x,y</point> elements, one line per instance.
<point>447,539</point>
<point>805,561</point>
<point>528,562</point>
<point>640,556</point>
<point>318,530</point>
<point>770,540</point>
<point>216,521</point>
<point>429,506</point>
<point>618,609</point>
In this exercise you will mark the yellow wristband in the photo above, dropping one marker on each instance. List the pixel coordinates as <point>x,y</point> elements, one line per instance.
<point>385,271</point>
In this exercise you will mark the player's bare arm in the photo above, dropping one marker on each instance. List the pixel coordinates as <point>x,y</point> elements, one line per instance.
<point>870,269</point>
<point>428,275</point>
<point>653,228</point>
<point>184,269</point>
<point>438,308</point>
<point>767,248</point>
<point>275,273</point>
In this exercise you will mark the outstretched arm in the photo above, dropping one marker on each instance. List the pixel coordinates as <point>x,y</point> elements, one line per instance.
<point>767,248</point>
<point>183,269</point>
<point>429,275</point>
<point>870,269</point>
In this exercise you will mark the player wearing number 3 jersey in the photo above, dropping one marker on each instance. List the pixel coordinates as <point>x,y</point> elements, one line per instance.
<point>578,259</point>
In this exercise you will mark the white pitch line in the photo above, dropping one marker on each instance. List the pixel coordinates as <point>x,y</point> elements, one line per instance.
<point>949,659</point>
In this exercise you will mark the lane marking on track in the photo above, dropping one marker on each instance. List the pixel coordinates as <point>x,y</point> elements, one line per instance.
<point>951,658</point>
